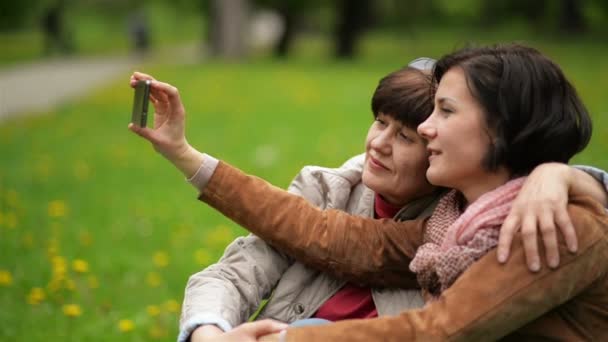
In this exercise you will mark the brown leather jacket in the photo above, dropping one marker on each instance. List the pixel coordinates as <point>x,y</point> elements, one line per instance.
<point>489,301</point>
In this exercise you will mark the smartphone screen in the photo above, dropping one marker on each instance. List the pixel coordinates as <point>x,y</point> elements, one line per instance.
<point>139,115</point>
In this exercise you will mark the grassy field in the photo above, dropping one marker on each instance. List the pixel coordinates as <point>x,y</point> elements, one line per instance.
<point>98,234</point>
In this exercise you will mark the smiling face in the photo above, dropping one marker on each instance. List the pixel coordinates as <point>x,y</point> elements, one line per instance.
<point>458,139</point>
<point>395,161</point>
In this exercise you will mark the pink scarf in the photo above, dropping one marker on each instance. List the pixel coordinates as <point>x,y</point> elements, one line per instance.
<point>455,240</point>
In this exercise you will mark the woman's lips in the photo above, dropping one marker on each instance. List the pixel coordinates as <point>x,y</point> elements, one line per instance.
<point>375,163</point>
<point>433,153</point>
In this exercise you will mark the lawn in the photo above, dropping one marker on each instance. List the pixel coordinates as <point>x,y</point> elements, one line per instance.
<point>98,234</point>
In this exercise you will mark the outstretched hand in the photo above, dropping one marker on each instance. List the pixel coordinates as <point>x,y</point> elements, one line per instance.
<point>168,135</point>
<point>540,206</point>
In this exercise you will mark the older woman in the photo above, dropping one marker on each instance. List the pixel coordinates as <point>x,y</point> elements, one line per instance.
<point>499,113</point>
<point>388,181</point>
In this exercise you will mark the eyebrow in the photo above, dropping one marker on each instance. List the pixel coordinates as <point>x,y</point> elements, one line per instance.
<point>446,99</point>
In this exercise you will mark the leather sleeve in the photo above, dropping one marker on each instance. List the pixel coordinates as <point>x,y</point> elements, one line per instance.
<point>490,301</point>
<point>361,250</point>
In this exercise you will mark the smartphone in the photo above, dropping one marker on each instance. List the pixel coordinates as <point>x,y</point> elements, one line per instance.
<point>139,116</point>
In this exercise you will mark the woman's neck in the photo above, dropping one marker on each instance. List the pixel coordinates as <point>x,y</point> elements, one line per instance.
<point>487,183</point>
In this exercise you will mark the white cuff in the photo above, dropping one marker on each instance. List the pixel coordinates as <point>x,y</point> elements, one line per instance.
<point>599,174</point>
<point>202,176</point>
<point>202,319</point>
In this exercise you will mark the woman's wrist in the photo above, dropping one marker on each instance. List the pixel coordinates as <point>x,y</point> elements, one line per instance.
<point>205,331</point>
<point>582,183</point>
<point>188,161</point>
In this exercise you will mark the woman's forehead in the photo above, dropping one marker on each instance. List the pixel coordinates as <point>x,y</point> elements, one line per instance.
<point>453,87</point>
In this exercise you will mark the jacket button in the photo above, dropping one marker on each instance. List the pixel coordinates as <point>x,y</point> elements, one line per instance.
<point>299,309</point>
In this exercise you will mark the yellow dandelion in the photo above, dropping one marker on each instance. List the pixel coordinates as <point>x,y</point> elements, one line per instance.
<point>59,266</point>
<point>36,296</point>
<point>202,257</point>
<point>153,279</point>
<point>161,259</point>
<point>126,325</point>
<point>72,310</point>
<point>172,306</point>
<point>153,310</point>
<point>6,278</point>
<point>92,282</point>
<point>80,266</point>
<point>57,208</point>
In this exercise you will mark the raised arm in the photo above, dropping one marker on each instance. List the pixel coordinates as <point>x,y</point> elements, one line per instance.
<point>356,248</point>
<point>322,239</point>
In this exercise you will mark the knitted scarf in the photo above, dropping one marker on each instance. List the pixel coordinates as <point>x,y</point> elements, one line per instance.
<point>456,239</point>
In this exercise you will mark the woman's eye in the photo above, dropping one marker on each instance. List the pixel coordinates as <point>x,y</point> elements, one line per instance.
<point>379,121</point>
<point>405,137</point>
<point>447,110</point>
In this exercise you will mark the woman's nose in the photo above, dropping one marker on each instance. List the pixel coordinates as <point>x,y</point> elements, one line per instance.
<point>427,129</point>
<point>382,142</point>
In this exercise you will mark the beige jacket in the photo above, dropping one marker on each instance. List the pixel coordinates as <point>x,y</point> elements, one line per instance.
<point>488,302</point>
<point>228,292</point>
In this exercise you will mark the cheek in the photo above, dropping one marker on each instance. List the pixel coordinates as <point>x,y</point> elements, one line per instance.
<point>414,165</point>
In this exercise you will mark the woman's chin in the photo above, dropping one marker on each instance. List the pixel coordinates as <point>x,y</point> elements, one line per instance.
<point>435,178</point>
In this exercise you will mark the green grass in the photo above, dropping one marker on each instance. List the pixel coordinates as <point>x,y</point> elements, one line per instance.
<point>76,184</point>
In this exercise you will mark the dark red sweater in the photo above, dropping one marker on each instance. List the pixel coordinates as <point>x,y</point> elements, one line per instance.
<point>352,301</point>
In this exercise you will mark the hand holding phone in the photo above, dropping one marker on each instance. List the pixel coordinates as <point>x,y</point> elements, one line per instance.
<point>139,115</point>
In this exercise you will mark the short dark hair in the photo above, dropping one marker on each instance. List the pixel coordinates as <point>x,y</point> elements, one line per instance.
<point>532,110</point>
<point>405,95</point>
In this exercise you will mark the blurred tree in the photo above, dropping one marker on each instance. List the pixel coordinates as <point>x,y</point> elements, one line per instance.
<point>497,11</point>
<point>571,18</point>
<point>291,12</point>
<point>353,16</point>
<point>14,15</point>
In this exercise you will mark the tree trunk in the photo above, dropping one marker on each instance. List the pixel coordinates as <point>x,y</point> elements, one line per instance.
<point>228,21</point>
<point>571,17</point>
<point>353,16</point>
<point>288,13</point>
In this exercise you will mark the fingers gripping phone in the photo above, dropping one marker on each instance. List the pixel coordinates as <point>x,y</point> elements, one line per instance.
<point>139,116</point>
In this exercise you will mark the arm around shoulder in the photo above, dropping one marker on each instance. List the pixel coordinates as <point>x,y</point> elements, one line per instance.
<point>492,300</point>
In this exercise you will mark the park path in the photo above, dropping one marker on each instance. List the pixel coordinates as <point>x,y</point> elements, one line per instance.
<point>38,86</point>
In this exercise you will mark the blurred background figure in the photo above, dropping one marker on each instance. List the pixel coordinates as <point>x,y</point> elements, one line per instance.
<point>53,25</point>
<point>139,31</point>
